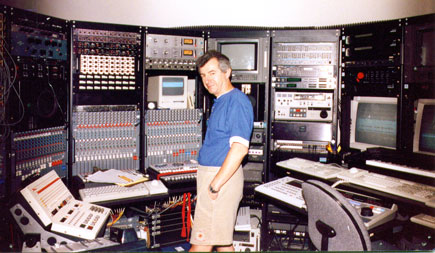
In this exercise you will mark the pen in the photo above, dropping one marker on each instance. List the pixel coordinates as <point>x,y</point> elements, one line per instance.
<point>125,178</point>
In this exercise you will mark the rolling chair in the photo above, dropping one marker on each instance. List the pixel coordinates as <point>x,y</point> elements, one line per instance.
<point>333,224</point>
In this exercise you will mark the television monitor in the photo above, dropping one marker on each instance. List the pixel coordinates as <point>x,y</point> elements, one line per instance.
<point>419,51</point>
<point>248,57</point>
<point>242,55</point>
<point>424,131</point>
<point>373,122</point>
<point>169,92</point>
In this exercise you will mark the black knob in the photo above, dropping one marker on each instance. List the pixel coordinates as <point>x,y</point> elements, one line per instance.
<point>18,212</point>
<point>366,211</point>
<point>323,114</point>
<point>31,241</point>
<point>24,220</point>
<point>51,241</point>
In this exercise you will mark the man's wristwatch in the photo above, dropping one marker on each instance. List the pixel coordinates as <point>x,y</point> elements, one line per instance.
<point>210,188</point>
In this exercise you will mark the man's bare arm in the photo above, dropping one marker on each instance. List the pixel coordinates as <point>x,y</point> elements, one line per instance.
<point>230,165</point>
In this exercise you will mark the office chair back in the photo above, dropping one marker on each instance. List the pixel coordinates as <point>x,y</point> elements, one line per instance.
<point>333,224</point>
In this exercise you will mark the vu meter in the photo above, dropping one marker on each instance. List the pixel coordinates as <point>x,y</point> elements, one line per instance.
<point>172,52</point>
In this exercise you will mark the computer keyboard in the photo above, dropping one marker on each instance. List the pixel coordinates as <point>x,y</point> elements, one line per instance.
<point>286,189</point>
<point>413,163</point>
<point>400,167</point>
<point>312,168</point>
<point>116,192</point>
<point>391,185</point>
<point>289,191</point>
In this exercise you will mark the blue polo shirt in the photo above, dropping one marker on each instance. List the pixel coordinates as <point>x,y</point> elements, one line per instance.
<point>231,120</point>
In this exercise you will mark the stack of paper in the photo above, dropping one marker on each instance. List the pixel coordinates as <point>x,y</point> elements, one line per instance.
<point>118,177</point>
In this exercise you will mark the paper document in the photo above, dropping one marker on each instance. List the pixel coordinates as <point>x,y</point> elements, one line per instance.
<point>116,177</point>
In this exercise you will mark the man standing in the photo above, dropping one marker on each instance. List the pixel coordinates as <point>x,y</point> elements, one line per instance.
<point>220,176</point>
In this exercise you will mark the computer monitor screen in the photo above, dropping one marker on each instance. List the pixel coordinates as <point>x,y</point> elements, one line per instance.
<point>172,86</point>
<point>170,92</point>
<point>242,55</point>
<point>424,133</point>
<point>373,122</point>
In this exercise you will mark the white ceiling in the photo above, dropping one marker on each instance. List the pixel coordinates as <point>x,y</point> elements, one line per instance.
<point>270,13</point>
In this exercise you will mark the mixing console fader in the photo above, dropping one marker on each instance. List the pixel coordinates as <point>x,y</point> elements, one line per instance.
<point>38,152</point>
<point>105,137</point>
<point>105,60</point>
<point>172,135</point>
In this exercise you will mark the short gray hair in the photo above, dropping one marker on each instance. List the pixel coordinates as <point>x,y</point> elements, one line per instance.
<point>224,61</point>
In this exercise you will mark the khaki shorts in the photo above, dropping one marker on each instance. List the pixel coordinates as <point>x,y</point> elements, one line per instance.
<point>214,220</point>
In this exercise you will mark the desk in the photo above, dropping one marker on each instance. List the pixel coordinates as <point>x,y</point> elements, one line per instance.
<point>400,227</point>
<point>154,212</point>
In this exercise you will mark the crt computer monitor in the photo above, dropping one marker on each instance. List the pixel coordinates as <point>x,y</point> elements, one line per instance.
<point>373,122</point>
<point>242,55</point>
<point>170,92</point>
<point>424,132</point>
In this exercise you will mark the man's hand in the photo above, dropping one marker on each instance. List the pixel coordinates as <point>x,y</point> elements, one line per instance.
<point>213,196</point>
<point>212,192</point>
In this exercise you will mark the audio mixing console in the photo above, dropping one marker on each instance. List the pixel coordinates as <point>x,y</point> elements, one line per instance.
<point>106,137</point>
<point>172,135</point>
<point>38,152</point>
